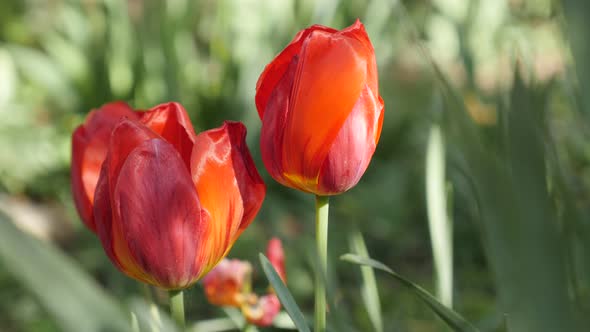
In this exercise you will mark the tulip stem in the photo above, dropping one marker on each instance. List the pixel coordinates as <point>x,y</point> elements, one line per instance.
<point>321,224</point>
<point>177,307</point>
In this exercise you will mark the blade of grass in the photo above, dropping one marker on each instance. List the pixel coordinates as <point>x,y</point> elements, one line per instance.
<point>441,233</point>
<point>284,295</point>
<point>453,319</point>
<point>370,293</point>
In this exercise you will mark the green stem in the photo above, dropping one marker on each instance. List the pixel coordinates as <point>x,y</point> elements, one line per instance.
<point>321,225</point>
<point>177,307</point>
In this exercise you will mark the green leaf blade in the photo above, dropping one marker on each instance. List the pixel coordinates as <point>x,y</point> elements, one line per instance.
<point>453,319</point>
<point>284,295</point>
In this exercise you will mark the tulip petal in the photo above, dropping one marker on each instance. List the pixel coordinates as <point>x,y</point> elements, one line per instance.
<point>276,69</point>
<point>228,184</point>
<point>89,149</point>
<point>107,116</point>
<point>330,76</point>
<point>358,32</point>
<point>160,214</point>
<point>171,121</point>
<point>273,127</point>
<point>351,152</point>
<point>125,137</point>
<point>83,174</point>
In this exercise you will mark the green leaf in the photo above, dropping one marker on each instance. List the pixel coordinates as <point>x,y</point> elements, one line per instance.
<point>76,302</point>
<point>284,295</point>
<point>453,319</point>
<point>439,223</point>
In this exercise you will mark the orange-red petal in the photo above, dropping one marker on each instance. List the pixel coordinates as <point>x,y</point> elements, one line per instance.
<point>228,185</point>
<point>277,68</point>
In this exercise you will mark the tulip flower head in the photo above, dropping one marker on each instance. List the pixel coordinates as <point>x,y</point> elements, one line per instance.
<point>169,204</point>
<point>320,109</point>
<point>230,284</point>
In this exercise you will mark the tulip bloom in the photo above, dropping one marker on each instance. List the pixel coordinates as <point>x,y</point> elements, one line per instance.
<point>230,284</point>
<point>169,204</point>
<point>321,110</point>
<point>89,149</point>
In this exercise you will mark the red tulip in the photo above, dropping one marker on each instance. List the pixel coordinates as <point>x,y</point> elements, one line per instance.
<point>229,283</point>
<point>321,110</point>
<point>89,149</point>
<point>169,204</point>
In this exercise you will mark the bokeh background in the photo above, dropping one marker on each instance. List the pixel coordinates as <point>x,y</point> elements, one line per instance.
<point>504,79</point>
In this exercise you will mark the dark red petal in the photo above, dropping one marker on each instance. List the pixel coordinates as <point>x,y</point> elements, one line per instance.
<point>277,68</point>
<point>160,214</point>
<point>252,188</point>
<point>352,150</point>
<point>125,137</point>
<point>228,184</point>
<point>171,121</point>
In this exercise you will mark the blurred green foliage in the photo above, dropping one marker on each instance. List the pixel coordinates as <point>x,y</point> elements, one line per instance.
<point>518,151</point>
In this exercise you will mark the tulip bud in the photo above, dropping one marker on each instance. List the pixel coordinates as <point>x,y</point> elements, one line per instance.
<point>320,109</point>
<point>229,284</point>
<point>276,257</point>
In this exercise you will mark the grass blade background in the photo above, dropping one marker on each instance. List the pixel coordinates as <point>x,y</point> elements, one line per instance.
<point>518,218</point>
<point>76,302</point>
<point>453,319</point>
<point>284,295</point>
<point>441,231</point>
<point>370,293</point>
